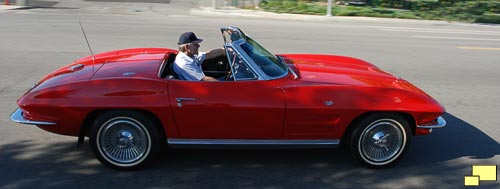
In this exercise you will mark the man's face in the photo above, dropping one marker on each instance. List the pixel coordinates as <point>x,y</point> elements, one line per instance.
<point>193,48</point>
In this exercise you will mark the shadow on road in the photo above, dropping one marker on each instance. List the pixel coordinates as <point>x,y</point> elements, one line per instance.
<point>458,139</point>
<point>28,164</point>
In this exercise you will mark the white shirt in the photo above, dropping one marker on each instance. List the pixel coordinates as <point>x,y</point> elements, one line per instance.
<point>188,68</point>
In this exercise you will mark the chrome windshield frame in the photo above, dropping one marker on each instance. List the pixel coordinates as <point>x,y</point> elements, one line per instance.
<point>236,41</point>
<point>246,60</point>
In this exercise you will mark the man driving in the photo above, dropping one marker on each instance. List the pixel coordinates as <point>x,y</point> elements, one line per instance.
<point>188,61</point>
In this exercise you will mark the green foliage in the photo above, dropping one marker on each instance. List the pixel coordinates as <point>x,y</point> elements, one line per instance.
<point>488,18</point>
<point>483,11</point>
<point>295,7</point>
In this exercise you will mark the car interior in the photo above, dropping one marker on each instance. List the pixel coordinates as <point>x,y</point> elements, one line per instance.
<point>216,67</point>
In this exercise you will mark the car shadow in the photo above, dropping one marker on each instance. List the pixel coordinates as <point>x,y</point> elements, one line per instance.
<point>31,164</point>
<point>458,139</point>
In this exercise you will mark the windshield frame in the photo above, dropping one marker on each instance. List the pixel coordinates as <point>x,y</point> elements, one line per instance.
<point>235,38</point>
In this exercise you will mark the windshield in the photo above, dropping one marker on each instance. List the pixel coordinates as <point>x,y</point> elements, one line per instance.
<point>266,62</point>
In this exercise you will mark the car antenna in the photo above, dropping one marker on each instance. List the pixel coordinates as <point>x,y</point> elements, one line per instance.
<point>88,44</point>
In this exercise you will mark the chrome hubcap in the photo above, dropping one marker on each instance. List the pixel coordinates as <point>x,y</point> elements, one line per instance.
<point>123,141</point>
<point>382,141</point>
<point>126,139</point>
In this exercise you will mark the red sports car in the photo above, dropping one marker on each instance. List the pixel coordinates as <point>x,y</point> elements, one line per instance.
<point>130,104</point>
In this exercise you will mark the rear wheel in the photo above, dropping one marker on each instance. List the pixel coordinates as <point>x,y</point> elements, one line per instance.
<point>380,140</point>
<point>125,139</point>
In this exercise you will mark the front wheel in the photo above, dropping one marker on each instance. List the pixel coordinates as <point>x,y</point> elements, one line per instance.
<point>125,139</point>
<point>380,140</point>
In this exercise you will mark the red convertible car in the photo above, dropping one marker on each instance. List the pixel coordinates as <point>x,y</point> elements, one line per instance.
<point>130,104</point>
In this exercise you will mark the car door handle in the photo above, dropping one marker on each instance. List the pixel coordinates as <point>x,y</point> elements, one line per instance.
<point>180,100</point>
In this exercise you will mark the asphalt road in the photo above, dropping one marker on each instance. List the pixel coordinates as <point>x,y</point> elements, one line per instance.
<point>457,64</point>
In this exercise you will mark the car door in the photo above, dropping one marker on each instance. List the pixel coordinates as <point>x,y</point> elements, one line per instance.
<point>227,109</point>
<point>250,109</point>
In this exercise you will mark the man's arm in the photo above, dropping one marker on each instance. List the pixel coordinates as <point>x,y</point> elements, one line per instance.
<point>215,53</point>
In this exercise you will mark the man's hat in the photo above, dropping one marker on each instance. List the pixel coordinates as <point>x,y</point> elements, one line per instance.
<point>188,37</point>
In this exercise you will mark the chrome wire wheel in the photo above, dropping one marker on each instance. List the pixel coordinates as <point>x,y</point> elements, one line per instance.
<point>123,141</point>
<point>382,142</point>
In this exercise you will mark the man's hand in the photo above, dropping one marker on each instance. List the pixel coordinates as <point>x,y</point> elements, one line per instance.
<point>208,78</point>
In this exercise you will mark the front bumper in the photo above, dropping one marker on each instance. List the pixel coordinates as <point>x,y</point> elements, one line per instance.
<point>17,116</point>
<point>440,122</point>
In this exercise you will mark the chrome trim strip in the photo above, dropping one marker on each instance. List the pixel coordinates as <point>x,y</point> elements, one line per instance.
<point>251,143</point>
<point>441,122</point>
<point>17,116</point>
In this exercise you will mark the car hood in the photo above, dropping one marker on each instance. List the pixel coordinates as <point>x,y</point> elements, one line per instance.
<point>139,63</point>
<point>341,70</point>
<point>338,70</point>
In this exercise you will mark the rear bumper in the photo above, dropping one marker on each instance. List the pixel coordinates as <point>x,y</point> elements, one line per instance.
<point>17,116</point>
<point>440,123</point>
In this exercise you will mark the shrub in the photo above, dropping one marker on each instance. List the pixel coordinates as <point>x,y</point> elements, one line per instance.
<point>488,18</point>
